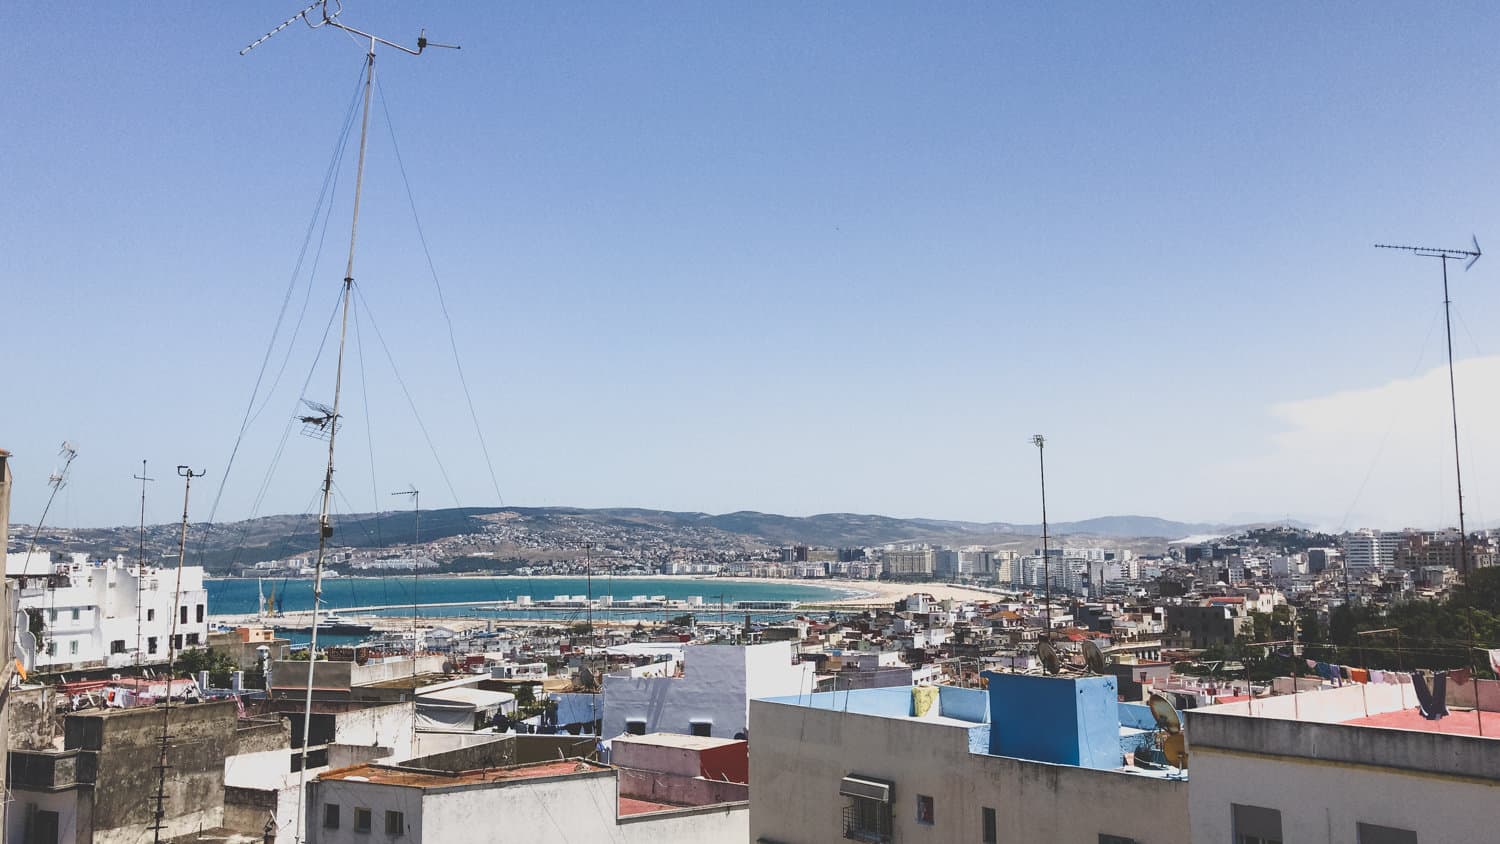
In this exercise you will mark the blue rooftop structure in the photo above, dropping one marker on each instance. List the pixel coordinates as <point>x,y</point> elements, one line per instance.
<point>1075,721</point>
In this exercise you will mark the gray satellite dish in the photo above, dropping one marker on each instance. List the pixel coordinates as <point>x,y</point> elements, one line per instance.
<point>1093,657</point>
<point>1048,655</point>
<point>1164,713</point>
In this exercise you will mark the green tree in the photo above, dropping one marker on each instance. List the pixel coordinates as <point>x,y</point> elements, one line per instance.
<point>218,664</point>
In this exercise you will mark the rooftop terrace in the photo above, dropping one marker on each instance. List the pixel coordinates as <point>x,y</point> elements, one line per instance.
<point>420,778</point>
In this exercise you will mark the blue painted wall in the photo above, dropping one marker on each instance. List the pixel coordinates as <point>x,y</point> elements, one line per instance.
<point>968,704</point>
<point>1062,720</point>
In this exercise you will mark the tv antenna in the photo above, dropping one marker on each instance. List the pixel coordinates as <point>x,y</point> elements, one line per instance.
<point>320,420</point>
<point>326,18</point>
<point>57,480</point>
<point>140,569</point>
<point>326,418</point>
<point>1446,255</point>
<point>1041,446</point>
<point>416,498</point>
<point>160,814</point>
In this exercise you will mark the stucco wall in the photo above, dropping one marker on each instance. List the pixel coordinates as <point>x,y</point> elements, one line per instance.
<point>798,756</point>
<point>717,682</point>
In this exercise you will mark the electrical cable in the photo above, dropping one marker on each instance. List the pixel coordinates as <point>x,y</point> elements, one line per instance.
<point>359,294</point>
<point>442,304</point>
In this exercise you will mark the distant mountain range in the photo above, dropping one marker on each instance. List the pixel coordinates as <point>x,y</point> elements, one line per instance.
<point>540,531</point>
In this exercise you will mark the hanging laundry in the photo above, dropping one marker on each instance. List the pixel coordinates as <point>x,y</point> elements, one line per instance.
<point>1326,671</point>
<point>1359,675</point>
<point>1494,661</point>
<point>1433,702</point>
<point>1460,677</point>
<point>1377,676</point>
<point>1312,664</point>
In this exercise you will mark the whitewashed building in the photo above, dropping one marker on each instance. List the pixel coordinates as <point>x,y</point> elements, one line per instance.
<point>1352,764</point>
<point>712,695</point>
<point>76,614</point>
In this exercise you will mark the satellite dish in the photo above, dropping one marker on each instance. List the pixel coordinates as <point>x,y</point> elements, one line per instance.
<point>1174,748</point>
<point>1165,713</point>
<point>1093,657</point>
<point>1048,655</point>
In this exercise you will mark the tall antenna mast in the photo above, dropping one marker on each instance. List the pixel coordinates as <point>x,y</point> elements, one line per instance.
<point>57,480</point>
<point>1444,256</point>
<point>416,500</point>
<point>325,528</point>
<point>159,823</point>
<point>1041,446</point>
<point>140,568</point>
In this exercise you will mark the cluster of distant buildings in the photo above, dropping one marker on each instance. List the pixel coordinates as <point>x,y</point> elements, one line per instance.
<point>928,720</point>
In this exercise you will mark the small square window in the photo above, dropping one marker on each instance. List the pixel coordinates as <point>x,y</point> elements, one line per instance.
<point>117,646</point>
<point>331,816</point>
<point>192,638</point>
<point>702,728</point>
<point>395,823</point>
<point>150,615</point>
<point>361,820</point>
<point>635,728</point>
<point>989,825</point>
<point>925,810</point>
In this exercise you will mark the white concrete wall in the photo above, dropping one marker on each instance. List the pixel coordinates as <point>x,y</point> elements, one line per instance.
<point>798,756</point>
<point>385,726</point>
<point>1320,802</point>
<point>563,810</point>
<point>717,683</point>
<point>64,803</point>
<point>378,798</point>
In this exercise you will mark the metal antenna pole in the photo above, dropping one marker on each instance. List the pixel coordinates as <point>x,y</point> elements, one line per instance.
<point>1444,255</point>
<point>1041,446</point>
<point>159,823</point>
<point>416,498</point>
<point>331,417</point>
<point>140,569</point>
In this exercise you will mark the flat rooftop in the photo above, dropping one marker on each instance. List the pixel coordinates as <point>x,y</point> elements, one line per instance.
<point>418,778</point>
<point>1457,723</point>
<point>676,740</point>
<point>417,681</point>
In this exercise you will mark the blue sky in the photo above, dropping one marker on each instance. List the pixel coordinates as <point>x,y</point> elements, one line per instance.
<point>777,256</point>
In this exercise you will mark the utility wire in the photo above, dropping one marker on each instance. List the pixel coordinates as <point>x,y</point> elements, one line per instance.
<point>321,208</point>
<point>404,391</point>
<point>442,304</point>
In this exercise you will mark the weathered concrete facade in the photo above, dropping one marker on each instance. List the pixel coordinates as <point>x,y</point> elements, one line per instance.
<point>799,755</point>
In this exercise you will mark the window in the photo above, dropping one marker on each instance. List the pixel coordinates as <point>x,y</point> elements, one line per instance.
<point>117,646</point>
<point>1370,833</point>
<point>395,823</point>
<point>177,642</point>
<point>635,728</point>
<point>331,816</point>
<point>73,648</point>
<point>192,638</point>
<point>183,613</point>
<point>200,613</point>
<point>150,644</point>
<point>867,817</point>
<point>989,825</point>
<point>41,826</point>
<point>925,812</point>
<point>361,820</point>
<point>702,728</point>
<point>150,615</point>
<point>1256,824</point>
<point>51,615</point>
<point>75,613</point>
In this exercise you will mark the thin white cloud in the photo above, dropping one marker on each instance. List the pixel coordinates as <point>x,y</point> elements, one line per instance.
<point>1383,456</point>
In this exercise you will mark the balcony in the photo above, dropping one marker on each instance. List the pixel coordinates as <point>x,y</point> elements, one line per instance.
<point>871,824</point>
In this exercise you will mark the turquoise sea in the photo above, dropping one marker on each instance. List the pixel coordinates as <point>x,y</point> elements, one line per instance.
<point>235,595</point>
